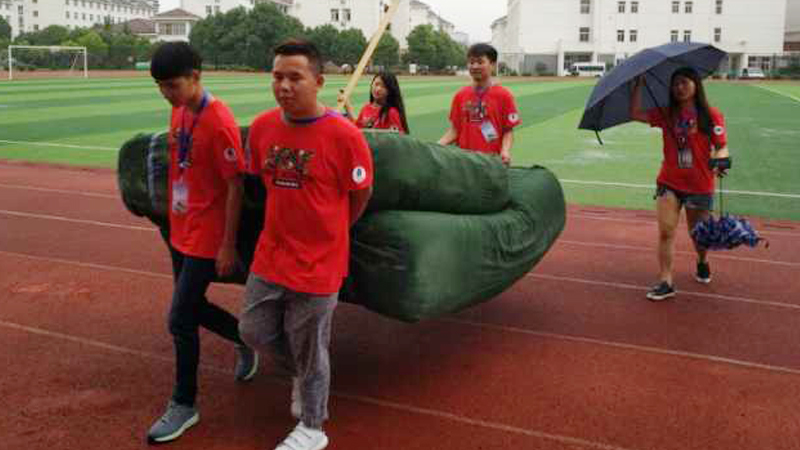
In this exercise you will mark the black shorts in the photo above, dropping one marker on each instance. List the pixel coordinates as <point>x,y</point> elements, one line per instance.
<point>702,202</point>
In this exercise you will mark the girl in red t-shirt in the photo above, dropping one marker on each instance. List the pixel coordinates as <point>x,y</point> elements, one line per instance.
<point>385,110</point>
<point>694,139</point>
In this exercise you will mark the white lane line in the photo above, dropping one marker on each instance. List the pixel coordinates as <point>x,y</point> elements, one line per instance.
<point>652,188</point>
<point>775,91</point>
<point>55,144</point>
<point>357,398</point>
<point>639,348</point>
<point>680,252</point>
<point>653,223</point>
<point>530,275</point>
<point>727,298</point>
<point>565,241</point>
<point>80,221</point>
<point>58,191</point>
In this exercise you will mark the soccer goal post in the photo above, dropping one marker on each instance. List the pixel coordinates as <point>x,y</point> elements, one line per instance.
<point>75,63</point>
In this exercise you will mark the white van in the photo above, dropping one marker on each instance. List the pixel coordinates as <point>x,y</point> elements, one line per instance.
<point>588,70</point>
<point>752,73</point>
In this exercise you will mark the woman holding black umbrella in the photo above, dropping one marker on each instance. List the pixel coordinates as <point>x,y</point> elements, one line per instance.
<point>694,141</point>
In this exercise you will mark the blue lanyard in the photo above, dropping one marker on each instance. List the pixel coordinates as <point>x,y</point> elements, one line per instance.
<point>481,93</point>
<point>185,142</point>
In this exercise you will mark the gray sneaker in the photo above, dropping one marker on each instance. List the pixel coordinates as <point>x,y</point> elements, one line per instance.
<point>246,363</point>
<point>177,419</point>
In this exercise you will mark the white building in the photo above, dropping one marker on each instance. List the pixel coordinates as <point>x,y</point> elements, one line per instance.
<point>205,8</point>
<point>547,36</point>
<point>792,37</point>
<point>26,16</point>
<point>364,15</point>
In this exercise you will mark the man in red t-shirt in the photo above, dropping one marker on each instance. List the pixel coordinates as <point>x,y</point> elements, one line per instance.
<point>483,116</point>
<point>317,169</point>
<point>205,192</point>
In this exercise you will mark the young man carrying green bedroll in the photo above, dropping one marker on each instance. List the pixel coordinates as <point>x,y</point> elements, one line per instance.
<point>205,197</point>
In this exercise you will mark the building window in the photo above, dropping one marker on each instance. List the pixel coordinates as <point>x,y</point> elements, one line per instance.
<point>334,15</point>
<point>688,7</point>
<point>634,7</point>
<point>634,36</point>
<point>347,15</point>
<point>687,35</point>
<point>36,14</point>
<point>620,35</point>
<point>717,34</point>
<point>35,27</point>
<point>673,36</point>
<point>719,6</point>
<point>208,10</point>
<point>676,7</point>
<point>621,7</point>
<point>216,9</point>
<point>586,6</point>
<point>584,34</point>
<point>67,14</point>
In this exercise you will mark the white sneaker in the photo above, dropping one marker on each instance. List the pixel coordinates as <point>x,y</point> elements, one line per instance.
<point>304,438</point>
<point>297,401</point>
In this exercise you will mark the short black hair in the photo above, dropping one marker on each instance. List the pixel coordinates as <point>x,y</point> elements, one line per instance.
<point>294,47</point>
<point>482,49</point>
<point>174,59</point>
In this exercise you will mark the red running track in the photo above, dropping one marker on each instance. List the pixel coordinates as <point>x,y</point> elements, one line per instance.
<point>571,357</point>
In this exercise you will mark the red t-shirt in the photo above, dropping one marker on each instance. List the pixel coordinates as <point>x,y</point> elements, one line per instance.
<point>687,150</point>
<point>370,117</point>
<point>482,118</point>
<point>309,171</point>
<point>198,194</point>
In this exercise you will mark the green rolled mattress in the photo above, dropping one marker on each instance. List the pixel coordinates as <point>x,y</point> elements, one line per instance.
<point>445,229</point>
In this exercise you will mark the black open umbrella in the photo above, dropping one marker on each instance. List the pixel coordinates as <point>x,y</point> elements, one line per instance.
<point>609,104</point>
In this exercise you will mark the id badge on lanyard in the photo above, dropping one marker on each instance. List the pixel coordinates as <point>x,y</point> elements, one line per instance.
<point>180,196</point>
<point>180,187</point>
<point>488,131</point>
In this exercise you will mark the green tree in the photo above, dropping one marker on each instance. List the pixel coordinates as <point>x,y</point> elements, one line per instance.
<point>387,53</point>
<point>96,47</point>
<point>326,38</point>
<point>5,30</point>
<point>351,46</point>
<point>422,46</point>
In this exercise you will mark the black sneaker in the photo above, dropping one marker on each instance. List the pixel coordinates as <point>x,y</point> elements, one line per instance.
<point>703,274</point>
<point>661,292</point>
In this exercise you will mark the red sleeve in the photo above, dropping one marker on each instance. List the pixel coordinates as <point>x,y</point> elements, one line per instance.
<point>656,117</point>
<point>719,134</point>
<point>395,123</point>
<point>510,113</point>
<point>356,168</point>
<point>455,111</point>
<point>362,119</point>
<point>228,151</point>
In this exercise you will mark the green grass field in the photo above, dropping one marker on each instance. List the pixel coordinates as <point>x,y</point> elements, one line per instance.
<point>83,122</point>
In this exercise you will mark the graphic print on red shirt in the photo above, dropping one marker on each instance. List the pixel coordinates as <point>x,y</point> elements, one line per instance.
<point>482,118</point>
<point>198,192</point>
<point>309,171</point>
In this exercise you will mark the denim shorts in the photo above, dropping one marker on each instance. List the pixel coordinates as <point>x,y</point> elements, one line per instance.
<point>702,202</point>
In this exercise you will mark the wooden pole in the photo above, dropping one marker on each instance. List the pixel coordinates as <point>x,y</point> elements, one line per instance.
<point>373,44</point>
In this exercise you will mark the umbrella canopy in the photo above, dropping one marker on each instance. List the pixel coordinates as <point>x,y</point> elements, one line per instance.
<point>609,104</point>
<point>725,232</point>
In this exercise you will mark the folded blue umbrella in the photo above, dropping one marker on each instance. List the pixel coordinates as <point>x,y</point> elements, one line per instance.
<point>725,232</point>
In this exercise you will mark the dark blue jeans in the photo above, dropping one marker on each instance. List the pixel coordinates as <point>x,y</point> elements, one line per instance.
<point>189,311</point>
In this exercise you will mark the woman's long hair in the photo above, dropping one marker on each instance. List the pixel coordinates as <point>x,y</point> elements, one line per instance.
<point>394,99</point>
<point>704,122</point>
